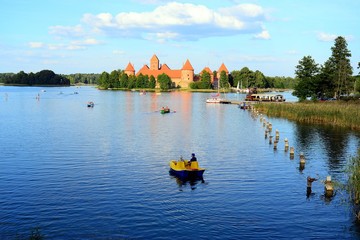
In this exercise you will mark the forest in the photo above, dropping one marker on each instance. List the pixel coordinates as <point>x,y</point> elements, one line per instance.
<point>44,77</point>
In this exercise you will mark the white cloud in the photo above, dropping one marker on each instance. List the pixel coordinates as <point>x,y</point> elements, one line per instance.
<point>326,37</point>
<point>36,44</point>
<point>87,41</point>
<point>292,52</point>
<point>245,11</point>
<point>118,52</point>
<point>67,31</point>
<point>73,45</point>
<point>183,20</point>
<point>161,37</point>
<point>263,35</point>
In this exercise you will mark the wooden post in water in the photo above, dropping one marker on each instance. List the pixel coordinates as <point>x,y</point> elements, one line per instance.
<point>277,135</point>
<point>275,144</point>
<point>292,152</point>
<point>270,139</point>
<point>286,144</point>
<point>270,127</point>
<point>329,187</point>
<point>266,133</point>
<point>302,161</point>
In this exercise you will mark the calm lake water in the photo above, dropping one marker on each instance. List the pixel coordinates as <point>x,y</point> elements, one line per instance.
<point>102,172</point>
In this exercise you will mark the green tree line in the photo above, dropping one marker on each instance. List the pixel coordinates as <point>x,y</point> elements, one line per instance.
<point>118,79</point>
<point>85,78</point>
<point>246,79</point>
<point>44,77</point>
<point>333,79</point>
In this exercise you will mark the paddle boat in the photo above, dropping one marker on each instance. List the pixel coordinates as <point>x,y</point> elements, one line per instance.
<point>165,110</point>
<point>184,170</point>
<point>90,104</point>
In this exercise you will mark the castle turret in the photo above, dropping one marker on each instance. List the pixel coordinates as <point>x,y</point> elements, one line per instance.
<point>129,70</point>
<point>222,68</point>
<point>154,63</point>
<point>187,74</point>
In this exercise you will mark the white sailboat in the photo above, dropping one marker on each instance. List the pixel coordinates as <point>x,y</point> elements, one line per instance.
<point>237,87</point>
<point>216,98</point>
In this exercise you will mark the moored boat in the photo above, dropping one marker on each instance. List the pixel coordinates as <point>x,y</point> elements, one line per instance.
<point>183,170</point>
<point>265,97</point>
<point>90,104</point>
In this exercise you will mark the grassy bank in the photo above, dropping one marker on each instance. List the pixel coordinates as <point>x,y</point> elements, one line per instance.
<point>334,113</point>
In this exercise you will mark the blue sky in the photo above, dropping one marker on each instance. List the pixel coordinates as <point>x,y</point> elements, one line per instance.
<point>92,36</point>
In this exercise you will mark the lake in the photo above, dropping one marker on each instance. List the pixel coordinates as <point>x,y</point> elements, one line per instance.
<point>102,173</point>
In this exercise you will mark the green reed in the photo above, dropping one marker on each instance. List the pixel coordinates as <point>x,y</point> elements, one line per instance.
<point>353,184</point>
<point>345,114</point>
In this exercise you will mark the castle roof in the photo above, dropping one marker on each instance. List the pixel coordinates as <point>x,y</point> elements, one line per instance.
<point>165,67</point>
<point>154,57</point>
<point>207,69</point>
<point>130,67</point>
<point>145,70</point>
<point>187,66</point>
<point>223,68</point>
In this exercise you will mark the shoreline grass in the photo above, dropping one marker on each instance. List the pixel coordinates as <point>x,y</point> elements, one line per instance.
<point>344,114</point>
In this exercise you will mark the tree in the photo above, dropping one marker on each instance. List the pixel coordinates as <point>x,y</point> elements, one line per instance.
<point>164,81</point>
<point>260,80</point>
<point>224,80</point>
<point>306,73</point>
<point>140,80</point>
<point>357,85</point>
<point>114,79</point>
<point>124,80</point>
<point>152,82</point>
<point>131,82</point>
<point>236,78</point>
<point>340,58</point>
<point>104,80</point>
<point>325,84</point>
<point>245,77</point>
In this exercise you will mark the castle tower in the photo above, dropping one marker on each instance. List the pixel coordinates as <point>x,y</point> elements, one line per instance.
<point>187,74</point>
<point>154,63</point>
<point>129,70</point>
<point>222,68</point>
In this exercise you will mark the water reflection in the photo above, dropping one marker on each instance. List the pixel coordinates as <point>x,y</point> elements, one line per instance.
<point>184,182</point>
<point>333,142</point>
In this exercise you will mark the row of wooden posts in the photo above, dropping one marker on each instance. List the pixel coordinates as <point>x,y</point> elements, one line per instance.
<point>329,187</point>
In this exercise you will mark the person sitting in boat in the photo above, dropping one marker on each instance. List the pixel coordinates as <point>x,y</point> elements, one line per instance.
<point>192,159</point>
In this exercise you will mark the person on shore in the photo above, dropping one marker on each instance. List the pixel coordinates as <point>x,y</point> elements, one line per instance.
<point>310,180</point>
